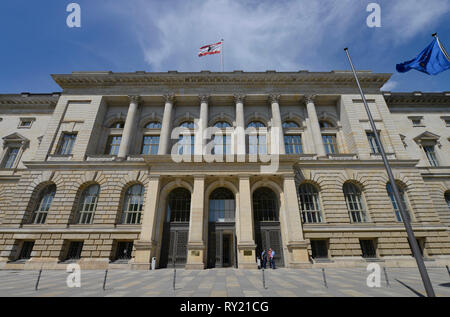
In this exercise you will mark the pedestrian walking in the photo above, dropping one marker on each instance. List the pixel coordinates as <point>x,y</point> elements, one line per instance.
<point>264,259</point>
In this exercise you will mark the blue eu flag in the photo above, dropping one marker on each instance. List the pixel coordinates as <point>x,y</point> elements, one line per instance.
<point>432,61</point>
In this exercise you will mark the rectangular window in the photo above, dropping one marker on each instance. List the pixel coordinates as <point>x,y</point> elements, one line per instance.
<point>374,146</point>
<point>25,123</point>
<point>112,147</point>
<point>319,249</point>
<point>368,249</point>
<point>293,144</point>
<point>74,252</point>
<point>25,252</point>
<point>186,144</point>
<point>330,144</point>
<point>150,145</point>
<point>124,249</point>
<point>10,158</point>
<point>257,144</point>
<point>67,142</point>
<point>222,144</point>
<point>431,155</point>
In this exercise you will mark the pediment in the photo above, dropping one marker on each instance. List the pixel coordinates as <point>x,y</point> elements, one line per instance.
<point>427,136</point>
<point>15,137</point>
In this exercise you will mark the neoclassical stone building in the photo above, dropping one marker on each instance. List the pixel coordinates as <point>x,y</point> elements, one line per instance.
<point>92,174</point>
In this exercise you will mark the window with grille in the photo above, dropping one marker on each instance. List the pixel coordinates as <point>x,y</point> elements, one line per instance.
<point>265,206</point>
<point>124,250</point>
<point>431,155</point>
<point>186,144</point>
<point>88,204</point>
<point>293,144</point>
<point>153,125</point>
<point>222,125</point>
<point>368,249</point>
<point>11,157</point>
<point>150,145</point>
<point>25,252</point>
<point>374,146</point>
<point>133,203</point>
<point>74,252</point>
<point>188,124</point>
<point>179,205</point>
<point>113,144</point>
<point>330,143</point>
<point>66,144</point>
<point>221,206</point>
<point>319,249</point>
<point>222,144</point>
<point>309,202</point>
<point>43,206</point>
<point>447,199</point>
<point>257,142</point>
<point>355,206</point>
<point>290,125</point>
<point>390,192</point>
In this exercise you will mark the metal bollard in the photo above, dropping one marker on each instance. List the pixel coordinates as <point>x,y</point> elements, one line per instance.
<point>174,276</point>
<point>386,277</point>
<point>448,270</point>
<point>36,287</point>
<point>153,263</point>
<point>324,278</point>
<point>104,280</point>
<point>264,279</point>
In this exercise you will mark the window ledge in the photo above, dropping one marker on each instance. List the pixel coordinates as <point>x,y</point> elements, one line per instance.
<point>377,156</point>
<point>342,157</point>
<point>103,157</point>
<point>323,260</point>
<point>59,157</point>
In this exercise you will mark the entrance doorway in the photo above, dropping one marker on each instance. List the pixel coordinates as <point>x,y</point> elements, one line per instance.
<point>221,229</point>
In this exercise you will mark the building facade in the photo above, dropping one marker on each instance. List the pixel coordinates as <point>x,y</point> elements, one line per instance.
<point>201,170</point>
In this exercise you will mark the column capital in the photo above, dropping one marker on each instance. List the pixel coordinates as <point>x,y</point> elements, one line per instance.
<point>239,98</point>
<point>170,97</point>
<point>204,98</point>
<point>274,98</point>
<point>134,98</point>
<point>310,98</point>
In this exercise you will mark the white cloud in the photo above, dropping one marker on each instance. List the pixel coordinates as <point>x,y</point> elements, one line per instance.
<point>389,86</point>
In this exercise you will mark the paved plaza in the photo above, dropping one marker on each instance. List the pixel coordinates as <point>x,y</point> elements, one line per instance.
<point>403,282</point>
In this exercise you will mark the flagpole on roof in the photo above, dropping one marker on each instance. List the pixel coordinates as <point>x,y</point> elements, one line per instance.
<point>405,217</point>
<point>221,55</point>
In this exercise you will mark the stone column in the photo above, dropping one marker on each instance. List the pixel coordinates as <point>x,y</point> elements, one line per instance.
<point>196,244</point>
<point>297,245</point>
<point>201,129</point>
<point>277,126</point>
<point>246,243</point>
<point>239,137</point>
<point>166,128</point>
<point>314,125</point>
<point>146,246</point>
<point>129,128</point>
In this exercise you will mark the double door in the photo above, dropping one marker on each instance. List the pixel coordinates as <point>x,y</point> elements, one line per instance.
<point>221,246</point>
<point>270,237</point>
<point>174,246</point>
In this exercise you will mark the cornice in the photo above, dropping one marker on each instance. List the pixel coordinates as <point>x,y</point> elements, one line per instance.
<point>30,99</point>
<point>417,99</point>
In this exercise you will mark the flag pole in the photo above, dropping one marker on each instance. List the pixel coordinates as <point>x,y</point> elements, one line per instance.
<point>221,55</point>
<point>412,240</point>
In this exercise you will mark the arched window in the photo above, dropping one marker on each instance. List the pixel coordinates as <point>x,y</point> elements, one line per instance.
<point>43,206</point>
<point>447,198</point>
<point>290,125</point>
<point>221,206</point>
<point>117,125</point>
<point>355,206</point>
<point>256,124</point>
<point>309,202</point>
<point>88,204</point>
<point>401,190</point>
<point>179,206</point>
<point>153,125</point>
<point>265,207</point>
<point>188,124</point>
<point>222,125</point>
<point>326,124</point>
<point>257,142</point>
<point>132,205</point>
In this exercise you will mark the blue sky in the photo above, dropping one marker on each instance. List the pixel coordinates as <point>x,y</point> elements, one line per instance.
<point>155,35</point>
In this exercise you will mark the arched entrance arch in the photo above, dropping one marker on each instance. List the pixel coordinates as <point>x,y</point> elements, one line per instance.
<point>221,228</point>
<point>266,216</point>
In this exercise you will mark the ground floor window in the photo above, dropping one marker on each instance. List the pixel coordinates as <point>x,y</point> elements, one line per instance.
<point>25,252</point>
<point>124,250</point>
<point>368,248</point>
<point>74,252</point>
<point>319,249</point>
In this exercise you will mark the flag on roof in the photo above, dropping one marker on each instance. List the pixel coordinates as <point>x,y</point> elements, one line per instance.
<point>210,49</point>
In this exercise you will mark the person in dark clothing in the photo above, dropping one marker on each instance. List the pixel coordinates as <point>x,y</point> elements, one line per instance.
<point>264,259</point>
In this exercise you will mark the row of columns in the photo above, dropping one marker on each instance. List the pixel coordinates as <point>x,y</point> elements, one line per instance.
<point>166,127</point>
<point>149,244</point>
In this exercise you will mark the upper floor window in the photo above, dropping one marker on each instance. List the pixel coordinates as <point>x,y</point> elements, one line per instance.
<point>153,125</point>
<point>186,144</point>
<point>179,205</point>
<point>326,124</point>
<point>10,157</point>
<point>309,202</point>
<point>222,144</point>
<point>118,125</point>
<point>26,123</point>
<point>43,204</point>
<point>133,203</point>
<point>374,146</point>
<point>221,206</point>
<point>88,204</point>
<point>222,125</point>
<point>355,206</point>
<point>446,120</point>
<point>431,155</point>
<point>390,192</point>
<point>150,145</point>
<point>265,206</point>
<point>188,124</point>
<point>257,142</point>
<point>330,143</point>
<point>293,144</point>
<point>256,124</point>
<point>113,144</point>
<point>290,125</point>
<point>416,121</point>
<point>66,143</point>
<point>447,198</point>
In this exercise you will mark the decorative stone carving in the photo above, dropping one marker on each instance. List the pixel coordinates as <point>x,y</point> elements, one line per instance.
<point>310,98</point>
<point>239,98</point>
<point>135,98</point>
<point>274,98</point>
<point>170,97</point>
<point>204,98</point>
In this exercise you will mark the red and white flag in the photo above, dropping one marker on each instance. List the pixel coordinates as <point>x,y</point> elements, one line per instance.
<point>210,49</point>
